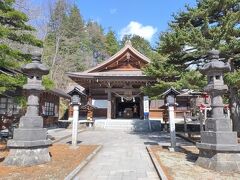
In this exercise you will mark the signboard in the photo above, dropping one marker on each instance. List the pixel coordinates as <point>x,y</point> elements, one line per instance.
<point>146,105</point>
<point>75,99</point>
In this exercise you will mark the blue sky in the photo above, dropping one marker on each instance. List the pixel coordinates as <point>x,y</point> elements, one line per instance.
<point>143,17</point>
<point>146,18</point>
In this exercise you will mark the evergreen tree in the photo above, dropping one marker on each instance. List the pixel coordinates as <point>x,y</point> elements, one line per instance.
<point>139,43</point>
<point>111,43</point>
<point>97,40</point>
<point>75,24</point>
<point>211,24</point>
<point>75,43</point>
<point>67,45</point>
<point>55,34</point>
<point>14,32</point>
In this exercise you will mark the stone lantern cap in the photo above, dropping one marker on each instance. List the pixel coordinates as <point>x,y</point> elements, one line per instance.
<point>35,66</point>
<point>215,64</point>
<point>170,96</point>
<point>171,91</point>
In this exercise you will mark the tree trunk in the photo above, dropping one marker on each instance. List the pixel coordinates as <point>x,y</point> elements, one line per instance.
<point>55,56</point>
<point>234,105</point>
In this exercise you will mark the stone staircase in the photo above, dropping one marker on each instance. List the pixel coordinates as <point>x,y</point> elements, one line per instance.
<point>122,124</point>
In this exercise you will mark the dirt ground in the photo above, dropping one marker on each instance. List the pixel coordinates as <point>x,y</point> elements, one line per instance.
<point>181,165</point>
<point>64,160</point>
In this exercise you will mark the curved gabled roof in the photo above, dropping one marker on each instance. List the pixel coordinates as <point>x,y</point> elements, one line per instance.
<point>128,47</point>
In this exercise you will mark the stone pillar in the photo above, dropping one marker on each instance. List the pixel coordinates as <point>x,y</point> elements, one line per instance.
<point>75,125</point>
<point>29,145</point>
<point>109,104</point>
<point>219,149</point>
<point>172,128</point>
<point>205,113</point>
<point>200,118</point>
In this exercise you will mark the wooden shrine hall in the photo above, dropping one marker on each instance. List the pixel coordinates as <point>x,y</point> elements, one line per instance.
<point>118,80</point>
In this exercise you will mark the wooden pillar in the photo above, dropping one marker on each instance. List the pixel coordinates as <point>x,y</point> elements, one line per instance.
<point>89,110</point>
<point>109,104</point>
<point>114,106</point>
<point>70,112</point>
<point>90,100</point>
<point>141,107</point>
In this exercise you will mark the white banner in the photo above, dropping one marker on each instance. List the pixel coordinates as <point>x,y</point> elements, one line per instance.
<point>146,104</point>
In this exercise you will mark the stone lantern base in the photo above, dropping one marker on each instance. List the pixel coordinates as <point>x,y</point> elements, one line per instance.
<point>219,149</point>
<point>28,147</point>
<point>222,161</point>
<point>28,157</point>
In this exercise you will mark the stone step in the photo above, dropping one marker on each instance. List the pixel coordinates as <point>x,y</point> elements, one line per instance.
<point>136,125</point>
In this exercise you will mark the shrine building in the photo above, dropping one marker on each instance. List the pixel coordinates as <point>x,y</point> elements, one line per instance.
<point>117,82</point>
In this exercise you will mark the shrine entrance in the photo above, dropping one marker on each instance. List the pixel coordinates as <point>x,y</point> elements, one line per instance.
<point>128,109</point>
<point>118,80</point>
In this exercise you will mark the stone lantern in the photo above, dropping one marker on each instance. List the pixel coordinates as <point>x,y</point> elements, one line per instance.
<point>75,101</point>
<point>219,149</point>
<point>29,145</point>
<point>170,99</point>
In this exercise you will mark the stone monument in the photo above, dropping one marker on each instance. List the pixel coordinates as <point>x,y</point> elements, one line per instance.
<point>29,145</point>
<point>219,149</point>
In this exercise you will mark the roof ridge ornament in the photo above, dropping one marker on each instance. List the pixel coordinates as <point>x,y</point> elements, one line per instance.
<point>214,54</point>
<point>36,56</point>
<point>128,42</point>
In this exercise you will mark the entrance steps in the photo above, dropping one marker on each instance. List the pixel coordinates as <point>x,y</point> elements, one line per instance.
<point>122,124</point>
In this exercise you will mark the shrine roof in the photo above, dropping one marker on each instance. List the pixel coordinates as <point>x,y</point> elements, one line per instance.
<point>126,64</point>
<point>127,48</point>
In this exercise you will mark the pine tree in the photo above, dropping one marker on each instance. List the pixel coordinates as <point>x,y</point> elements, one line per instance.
<point>111,43</point>
<point>211,24</point>
<point>14,32</point>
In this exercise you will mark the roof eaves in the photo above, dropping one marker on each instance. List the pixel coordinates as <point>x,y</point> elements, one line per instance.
<point>60,93</point>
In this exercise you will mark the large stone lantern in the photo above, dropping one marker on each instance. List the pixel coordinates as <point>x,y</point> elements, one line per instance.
<point>219,149</point>
<point>29,145</point>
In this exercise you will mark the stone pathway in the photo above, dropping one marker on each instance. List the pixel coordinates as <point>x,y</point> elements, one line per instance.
<point>123,155</point>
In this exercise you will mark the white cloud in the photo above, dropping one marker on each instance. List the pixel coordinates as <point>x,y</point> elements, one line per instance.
<point>113,11</point>
<point>136,28</point>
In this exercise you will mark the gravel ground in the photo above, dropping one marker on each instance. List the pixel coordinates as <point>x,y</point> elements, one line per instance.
<point>64,160</point>
<point>181,165</point>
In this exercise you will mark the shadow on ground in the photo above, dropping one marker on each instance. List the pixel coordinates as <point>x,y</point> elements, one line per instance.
<point>70,142</point>
<point>190,156</point>
<point>2,159</point>
<point>159,138</point>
